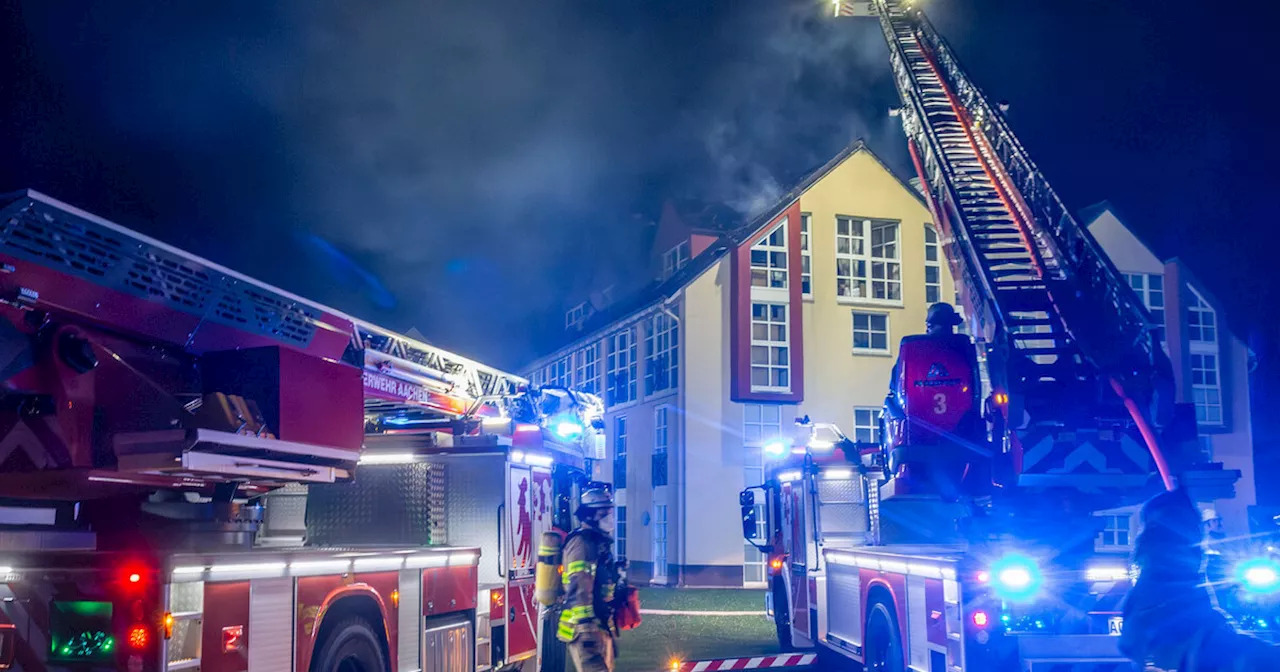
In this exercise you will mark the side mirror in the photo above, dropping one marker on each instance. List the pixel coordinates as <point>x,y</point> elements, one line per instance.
<point>747,500</point>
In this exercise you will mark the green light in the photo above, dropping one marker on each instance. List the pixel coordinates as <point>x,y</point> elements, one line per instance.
<point>81,631</point>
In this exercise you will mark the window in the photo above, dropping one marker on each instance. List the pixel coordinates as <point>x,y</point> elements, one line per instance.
<point>761,423</point>
<point>1206,374</point>
<point>770,354</point>
<point>866,425</point>
<point>620,452</point>
<point>660,568</point>
<point>932,266</point>
<point>558,373</point>
<point>620,531</point>
<point>1115,531</point>
<point>870,332</point>
<point>674,259</point>
<point>769,259</point>
<point>1150,290</point>
<point>806,257</point>
<point>865,270</point>
<point>1202,323</point>
<point>621,367</point>
<point>575,315</point>
<point>661,437</point>
<point>661,351</point>
<point>1206,389</point>
<point>586,365</point>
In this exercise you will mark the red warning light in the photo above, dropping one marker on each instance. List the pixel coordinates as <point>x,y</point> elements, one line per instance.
<point>980,619</point>
<point>139,637</point>
<point>135,577</point>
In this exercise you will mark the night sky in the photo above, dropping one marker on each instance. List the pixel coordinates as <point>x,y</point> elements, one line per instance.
<point>461,167</point>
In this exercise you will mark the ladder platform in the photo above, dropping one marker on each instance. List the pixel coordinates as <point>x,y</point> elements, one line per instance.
<point>211,455</point>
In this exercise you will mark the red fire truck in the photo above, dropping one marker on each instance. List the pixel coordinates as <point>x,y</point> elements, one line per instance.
<point>968,537</point>
<point>199,471</point>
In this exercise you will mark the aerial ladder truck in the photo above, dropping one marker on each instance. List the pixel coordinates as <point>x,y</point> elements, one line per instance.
<point>967,538</point>
<point>199,471</point>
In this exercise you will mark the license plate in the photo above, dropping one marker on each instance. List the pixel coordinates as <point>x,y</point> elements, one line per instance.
<point>1115,625</point>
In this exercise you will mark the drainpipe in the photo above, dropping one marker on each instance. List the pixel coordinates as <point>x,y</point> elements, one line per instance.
<point>680,456</point>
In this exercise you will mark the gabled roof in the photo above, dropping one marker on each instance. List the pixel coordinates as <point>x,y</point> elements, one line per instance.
<point>1090,214</point>
<point>733,232</point>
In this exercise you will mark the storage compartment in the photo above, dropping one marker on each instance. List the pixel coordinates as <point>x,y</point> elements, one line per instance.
<point>447,645</point>
<point>303,398</point>
<point>385,504</point>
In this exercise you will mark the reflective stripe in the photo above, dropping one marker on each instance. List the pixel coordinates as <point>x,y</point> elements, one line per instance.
<point>580,566</point>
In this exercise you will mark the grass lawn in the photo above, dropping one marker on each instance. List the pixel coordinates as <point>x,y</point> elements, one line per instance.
<point>659,639</point>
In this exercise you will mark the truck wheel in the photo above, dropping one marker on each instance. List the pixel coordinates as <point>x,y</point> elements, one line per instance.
<point>351,646</point>
<point>884,640</point>
<point>782,617</point>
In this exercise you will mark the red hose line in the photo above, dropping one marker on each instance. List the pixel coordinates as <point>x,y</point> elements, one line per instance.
<point>1148,434</point>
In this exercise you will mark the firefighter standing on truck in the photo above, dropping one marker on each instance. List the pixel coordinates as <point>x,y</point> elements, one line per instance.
<point>590,577</point>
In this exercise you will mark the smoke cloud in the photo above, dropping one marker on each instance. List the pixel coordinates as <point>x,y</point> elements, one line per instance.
<point>475,161</point>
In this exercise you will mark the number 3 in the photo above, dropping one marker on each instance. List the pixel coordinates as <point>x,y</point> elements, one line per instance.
<point>939,403</point>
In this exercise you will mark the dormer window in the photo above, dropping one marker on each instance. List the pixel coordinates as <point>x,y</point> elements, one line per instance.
<point>574,317</point>
<point>675,258</point>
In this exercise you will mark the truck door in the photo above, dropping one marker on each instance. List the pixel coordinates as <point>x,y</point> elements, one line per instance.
<point>795,541</point>
<point>530,512</point>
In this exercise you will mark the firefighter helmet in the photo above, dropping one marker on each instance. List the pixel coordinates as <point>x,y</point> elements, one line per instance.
<point>596,498</point>
<point>942,315</point>
<point>1209,515</point>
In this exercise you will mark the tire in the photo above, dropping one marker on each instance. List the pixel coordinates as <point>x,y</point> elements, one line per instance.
<point>351,646</point>
<point>884,640</point>
<point>782,617</point>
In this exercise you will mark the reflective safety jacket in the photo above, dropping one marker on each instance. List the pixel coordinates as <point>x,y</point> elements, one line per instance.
<point>590,577</point>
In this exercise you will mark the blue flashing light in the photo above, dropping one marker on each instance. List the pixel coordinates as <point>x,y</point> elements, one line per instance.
<point>568,430</point>
<point>1259,575</point>
<point>399,420</point>
<point>1016,578</point>
<point>776,448</point>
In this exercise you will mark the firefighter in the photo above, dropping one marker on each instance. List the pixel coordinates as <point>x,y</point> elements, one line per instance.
<point>1216,571</point>
<point>941,320</point>
<point>1170,620</point>
<point>590,578</point>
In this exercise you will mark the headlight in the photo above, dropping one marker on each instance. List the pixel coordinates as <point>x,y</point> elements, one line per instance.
<point>1259,575</point>
<point>1015,578</point>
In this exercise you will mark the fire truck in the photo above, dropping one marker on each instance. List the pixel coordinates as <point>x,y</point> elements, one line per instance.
<point>199,471</point>
<point>969,536</point>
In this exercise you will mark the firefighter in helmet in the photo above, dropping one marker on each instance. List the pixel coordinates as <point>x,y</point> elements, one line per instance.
<point>1170,620</point>
<point>1216,568</point>
<point>941,320</point>
<point>590,578</point>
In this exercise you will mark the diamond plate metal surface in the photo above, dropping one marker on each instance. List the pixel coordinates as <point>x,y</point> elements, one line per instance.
<point>384,504</point>
<point>476,487</point>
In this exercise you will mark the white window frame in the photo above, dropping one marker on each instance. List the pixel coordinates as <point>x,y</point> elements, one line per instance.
<point>1205,332</point>
<point>621,358</point>
<point>575,315</point>
<point>1202,344</point>
<point>1206,388</point>
<point>866,424</point>
<point>620,531</point>
<point>620,450</point>
<point>761,423</point>
<point>862,262</point>
<point>560,372</point>
<point>772,347</point>
<point>586,369</point>
<point>932,248</point>
<point>771,275</point>
<point>675,259</point>
<point>806,255</point>
<point>870,332</point>
<point>661,544</point>
<point>661,340</point>
<point>662,438</point>
<point>1114,524</point>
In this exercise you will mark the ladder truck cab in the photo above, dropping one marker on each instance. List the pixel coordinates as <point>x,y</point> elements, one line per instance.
<point>967,538</point>
<point>199,471</point>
